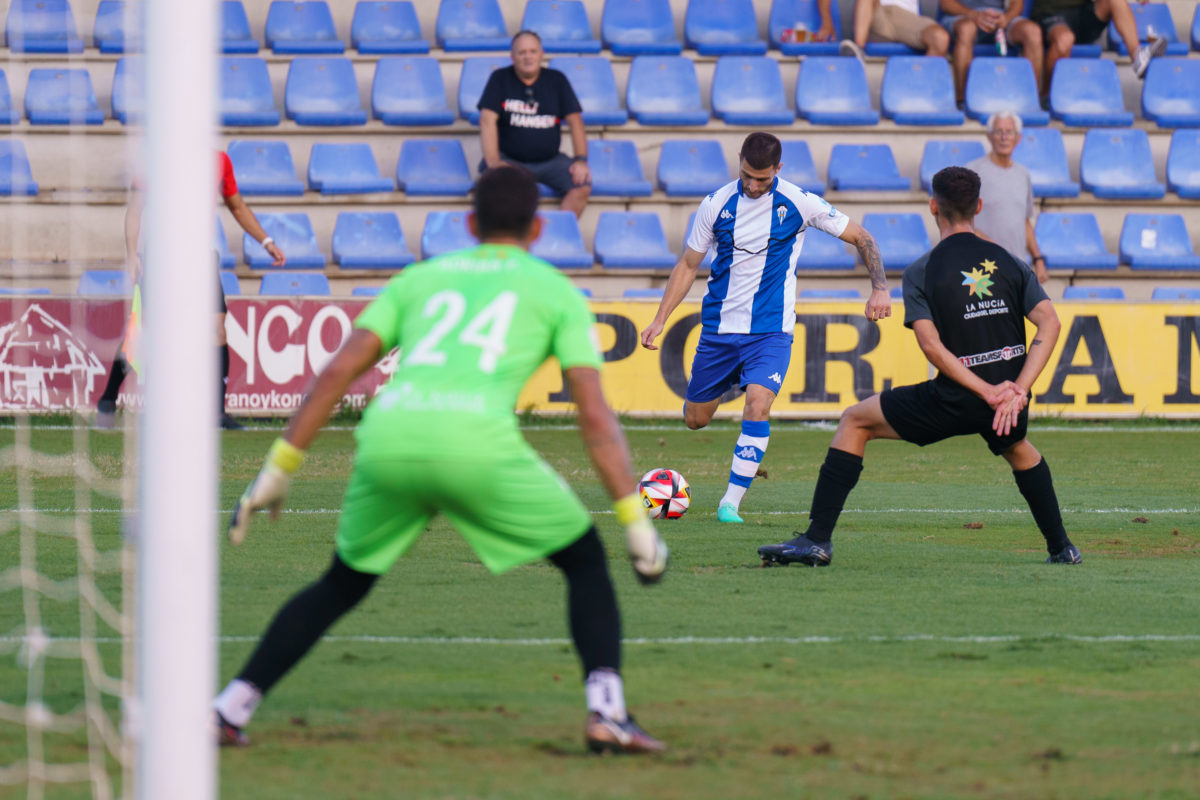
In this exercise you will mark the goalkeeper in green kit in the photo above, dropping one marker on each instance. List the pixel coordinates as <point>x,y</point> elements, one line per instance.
<point>441,438</point>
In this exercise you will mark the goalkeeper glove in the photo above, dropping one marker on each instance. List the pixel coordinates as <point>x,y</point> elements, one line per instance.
<point>268,489</point>
<point>647,551</point>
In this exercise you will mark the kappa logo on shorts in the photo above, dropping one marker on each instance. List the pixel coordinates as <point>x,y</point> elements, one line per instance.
<point>725,214</point>
<point>775,376</point>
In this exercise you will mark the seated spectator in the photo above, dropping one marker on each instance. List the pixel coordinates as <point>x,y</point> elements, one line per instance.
<point>972,22</point>
<point>826,33</point>
<point>1065,22</point>
<point>895,21</point>
<point>521,114</point>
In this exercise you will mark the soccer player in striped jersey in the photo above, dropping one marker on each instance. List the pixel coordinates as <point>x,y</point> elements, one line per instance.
<point>756,227</point>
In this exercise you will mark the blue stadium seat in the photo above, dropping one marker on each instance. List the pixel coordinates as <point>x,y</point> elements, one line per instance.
<point>445,231</point>
<point>366,291</point>
<point>474,76</point>
<point>16,174</point>
<point>1093,293</point>
<point>706,262</point>
<point>408,90</point>
<point>114,31</point>
<point>833,91</point>
<point>42,26</point>
<point>1072,241</point>
<point>104,283</point>
<point>591,78</point>
<point>387,27</point>
<point>369,240</point>
<point>293,234</point>
<point>1171,93</point>
<point>691,167</point>
<point>617,169</point>
<point>784,16</point>
<point>748,90</point>
<point>632,239</point>
<point>1196,29</point>
<point>129,90</point>
<point>1041,151</point>
<point>246,98</point>
<point>639,27</point>
<point>919,91</point>
<point>902,238</point>
<point>323,91</point>
<point>9,115</point>
<point>1175,294</point>
<point>1183,164</point>
<point>294,284</point>
<point>61,97</point>
<point>1003,84</point>
<point>586,292</point>
<point>229,282</point>
<point>642,293</point>
<point>1087,92</point>
<point>1157,241</point>
<point>236,37</point>
<point>722,28</point>
<point>6,290</point>
<point>865,167</point>
<point>1153,20</point>
<point>225,256</point>
<point>830,294</point>
<point>561,242</point>
<point>433,166</point>
<point>264,167</point>
<point>562,25</point>
<point>1118,164</point>
<point>347,168</point>
<point>471,25</point>
<point>822,251</point>
<point>798,166</point>
<point>952,153</point>
<point>663,90</point>
<point>305,27</point>
<point>896,293</point>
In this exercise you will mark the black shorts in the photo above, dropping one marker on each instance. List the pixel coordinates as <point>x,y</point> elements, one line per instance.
<point>1082,21</point>
<point>555,173</point>
<point>929,412</point>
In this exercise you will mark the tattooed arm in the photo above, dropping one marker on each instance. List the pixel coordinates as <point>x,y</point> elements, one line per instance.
<point>879,305</point>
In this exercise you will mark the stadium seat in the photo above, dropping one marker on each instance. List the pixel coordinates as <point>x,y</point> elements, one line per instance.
<point>639,27</point>
<point>236,37</point>
<point>1196,29</point>
<point>61,97</point>
<point>445,231</point>
<point>1157,241</point>
<point>1153,21</point>
<point>822,251</point>
<point>118,27</point>
<point>632,239</point>
<point>586,292</point>
<point>1072,241</point>
<point>1041,151</point>
<point>1176,294</point>
<point>865,167</point>
<point>433,166</point>
<point>952,153</point>
<point>784,16</point>
<point>369,240</point>
<point>6,290</point>
<point>830,294</point>
<point>16,174</point>
<point>748,90</point>
<point>692,167</point>
<point>9,115</point>
<point>919,91</point>
<point>831,90</point>
<point>246,97</point>
<point>293,234</point>
<point>471,25</point>
<point>706,262</point>
<point>129,90</point>
<point>896,293</point>
<point>366,291</point>
<point>1171,93</point>
<point>1093,293</point>
<point>387,27</point>
<point>722,28</point>
<point>104,282</point>
<point>562,25</point>
<point>305,27</point>
<point>1183,163</point>
<point>408,90</point>
<point>229,282</point>
<point>663,90</point>
<point>642,293</point>
<point>225,256</point>
<point>474,76</point>
<point>561,242</point>
<point>592,80</point>
<point>1086,92</point>
<point>347,168</point>
<point>42,26</point>
<point>1003,84</point>
<point>902,238</point>
<point>1118,164</point>
<point>617,170</point>
<point>294,283</point>
<point>323,91</point>
<point>798,166</point>
<point>264,167</point>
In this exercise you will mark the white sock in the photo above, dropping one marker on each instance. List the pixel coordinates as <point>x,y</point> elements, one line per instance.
<point>734,494</point>
<point>236,703</point>
<point>747,454</point>
<point>606,694</point>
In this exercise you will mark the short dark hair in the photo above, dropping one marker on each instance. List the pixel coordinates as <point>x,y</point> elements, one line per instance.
<point>521,33</point>
<point>761,150</point>
<point>505,202</point>
<point>956,190</point>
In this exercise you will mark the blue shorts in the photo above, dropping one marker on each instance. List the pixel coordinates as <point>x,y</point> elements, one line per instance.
<point>725,360</point>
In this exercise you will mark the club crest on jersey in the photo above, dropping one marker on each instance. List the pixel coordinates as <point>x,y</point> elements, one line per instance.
<point>780,213</point>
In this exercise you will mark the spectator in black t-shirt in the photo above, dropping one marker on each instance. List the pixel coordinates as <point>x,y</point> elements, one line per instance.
<point>970,324</point>
<point>520,122</point>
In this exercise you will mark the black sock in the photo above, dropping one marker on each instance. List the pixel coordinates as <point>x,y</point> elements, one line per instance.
<point>591,603</point>
<point>838,476</point>
<point>112,389</point>
<point>1037,487</point>
<point>300,623</point>
<point>223,357</point>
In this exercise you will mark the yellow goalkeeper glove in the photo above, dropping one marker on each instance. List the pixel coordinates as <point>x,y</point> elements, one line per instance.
<point>647,551</point>
<point>268,489</point>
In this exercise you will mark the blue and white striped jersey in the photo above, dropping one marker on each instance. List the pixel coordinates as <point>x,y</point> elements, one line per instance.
<point>752,282</point>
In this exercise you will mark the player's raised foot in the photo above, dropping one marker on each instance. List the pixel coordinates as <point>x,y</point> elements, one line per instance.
<point>800,550</point>
<point>228,423</point>
<point>606,735</point>
<point>1068,555</point>
<point>228,734</point>
<point>728,512</point>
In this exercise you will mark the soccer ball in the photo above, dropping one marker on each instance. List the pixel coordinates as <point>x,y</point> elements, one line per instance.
<point>665,494</point>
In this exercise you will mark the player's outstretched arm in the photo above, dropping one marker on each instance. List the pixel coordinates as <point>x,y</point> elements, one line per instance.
<point>250,224</point>
<point>678,285</point>
<point>879,304</point>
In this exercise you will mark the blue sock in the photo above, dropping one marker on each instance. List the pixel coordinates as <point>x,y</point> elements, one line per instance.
<point>747,455</point>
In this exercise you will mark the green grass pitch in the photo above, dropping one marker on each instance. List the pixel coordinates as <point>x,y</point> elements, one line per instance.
<point>930,661</point>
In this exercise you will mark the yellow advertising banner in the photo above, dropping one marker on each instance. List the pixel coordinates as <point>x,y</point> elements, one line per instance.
<point>1118,360</point>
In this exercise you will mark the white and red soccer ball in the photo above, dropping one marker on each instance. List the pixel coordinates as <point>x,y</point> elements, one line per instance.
<point>664,493</point>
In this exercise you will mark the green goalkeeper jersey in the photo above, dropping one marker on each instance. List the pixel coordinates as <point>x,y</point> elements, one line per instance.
<point>471,326</point>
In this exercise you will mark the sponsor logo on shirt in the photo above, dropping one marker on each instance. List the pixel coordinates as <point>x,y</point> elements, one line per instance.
<point>725,214</point>
<point>1006,353</point>
<point>979,279</point>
